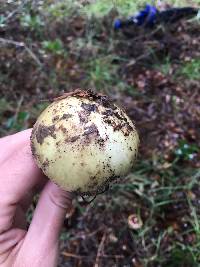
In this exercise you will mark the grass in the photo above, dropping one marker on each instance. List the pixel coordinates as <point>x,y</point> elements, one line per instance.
<point>155,198</point>
<point>186,151</point>
<point>55,47</point>
<point>102,73</point>
<point>100,8</point>
<point>181,257</point>
<point>19,116</point>
<point>61,9</point>
<point>4,105</point>
<point>191,69</point>
<point>18,121</point>
<point>33,22</point>
<point>164,66</point>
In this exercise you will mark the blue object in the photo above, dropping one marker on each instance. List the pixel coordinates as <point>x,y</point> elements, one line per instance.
<point>146,17</point>
<point>117,24</point>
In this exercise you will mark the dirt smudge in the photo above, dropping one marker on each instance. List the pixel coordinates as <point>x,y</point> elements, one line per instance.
<point>43,131</point>
<point>92,129</point>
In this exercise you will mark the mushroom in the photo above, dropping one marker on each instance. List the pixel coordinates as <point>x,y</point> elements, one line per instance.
<point>82,141</point>
<point>134,222</point>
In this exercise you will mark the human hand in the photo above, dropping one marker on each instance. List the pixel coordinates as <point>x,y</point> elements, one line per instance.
<point>20,180</point>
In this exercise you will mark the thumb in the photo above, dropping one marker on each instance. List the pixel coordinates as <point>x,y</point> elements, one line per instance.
<point>43,234</point>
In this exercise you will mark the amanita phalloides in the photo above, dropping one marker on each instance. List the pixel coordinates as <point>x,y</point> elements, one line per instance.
<point>83,141</point>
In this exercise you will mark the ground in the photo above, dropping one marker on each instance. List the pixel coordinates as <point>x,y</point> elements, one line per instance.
<point>58,46</point>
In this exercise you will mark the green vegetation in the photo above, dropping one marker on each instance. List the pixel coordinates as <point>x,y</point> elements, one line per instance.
<point>186,151</point>
<point>61,9</point>
<point>157,196</point>
<point>2,20</point>
<point>100,8</point>
<point>33,22</point>
<point>55,47</point>
<point>18,121</point>
<point>191,69</point>
<point>4,105</point>
<point>180,257</point>
<point>102,73</point>
<point>164,66</point>
<point>19,118</point>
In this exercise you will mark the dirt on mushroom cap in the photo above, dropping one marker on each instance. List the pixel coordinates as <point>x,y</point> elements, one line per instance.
<point>86,140</point>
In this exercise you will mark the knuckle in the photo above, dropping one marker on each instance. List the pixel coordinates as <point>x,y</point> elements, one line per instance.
<point>60,198</point>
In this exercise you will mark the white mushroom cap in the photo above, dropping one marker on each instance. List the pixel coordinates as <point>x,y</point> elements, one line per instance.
<point>82,141</point>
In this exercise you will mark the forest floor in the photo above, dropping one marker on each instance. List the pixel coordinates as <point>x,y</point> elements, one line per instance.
<point>154,74</point>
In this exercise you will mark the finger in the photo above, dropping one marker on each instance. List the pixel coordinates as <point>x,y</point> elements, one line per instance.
<point>8,241</point>
<point>11,143</point>
<point>47,220</point>
<point>19,175</point>
<point>10,238</point>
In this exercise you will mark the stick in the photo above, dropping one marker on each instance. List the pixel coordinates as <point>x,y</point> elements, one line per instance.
<point>22,44</point>
<point>72,255</point>
<point>11,14</point>
<point>100,250</point>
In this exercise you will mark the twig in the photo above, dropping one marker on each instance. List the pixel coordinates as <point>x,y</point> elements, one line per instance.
<point>87,235</point>
<point>134,61</point>
<point>145,35</point>
<point>33,55</point>
<point>112,256</point>
<point>72,255</point>
<point>192,98</point>
<point>22,44</point>
<point>19,106</point>
<point>100,250</point>
<point>11,14</point>
<point>7,41</point>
